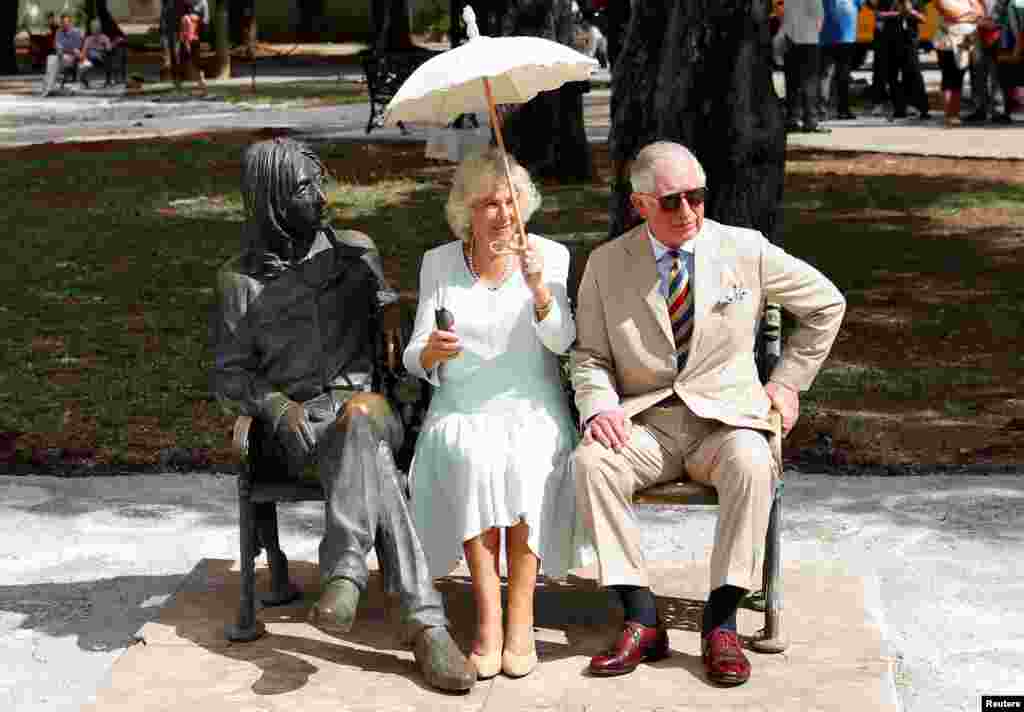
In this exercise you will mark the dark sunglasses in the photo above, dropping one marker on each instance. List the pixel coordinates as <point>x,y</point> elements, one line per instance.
<point>674,201</point>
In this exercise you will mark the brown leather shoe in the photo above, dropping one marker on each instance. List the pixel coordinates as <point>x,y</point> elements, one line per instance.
<point>723,658</point>
<point>638,643</point>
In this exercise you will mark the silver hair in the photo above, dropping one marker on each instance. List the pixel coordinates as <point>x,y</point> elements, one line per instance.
<point>479,175</point>
<point>641,171</point>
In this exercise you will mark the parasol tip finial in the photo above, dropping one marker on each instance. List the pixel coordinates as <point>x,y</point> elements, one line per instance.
<point>469,17</point>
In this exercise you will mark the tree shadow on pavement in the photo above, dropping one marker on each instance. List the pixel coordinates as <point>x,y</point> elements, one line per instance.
<point>103,615</point>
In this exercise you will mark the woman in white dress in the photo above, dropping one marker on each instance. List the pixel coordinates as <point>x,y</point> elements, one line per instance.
<point>494,450</point>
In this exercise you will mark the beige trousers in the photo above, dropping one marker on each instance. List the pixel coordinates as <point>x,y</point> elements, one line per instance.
<point>664,440</point>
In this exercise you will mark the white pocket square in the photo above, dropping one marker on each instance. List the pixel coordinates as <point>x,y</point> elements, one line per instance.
<point>732,295</point>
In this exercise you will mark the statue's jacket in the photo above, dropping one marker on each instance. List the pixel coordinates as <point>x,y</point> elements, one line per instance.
<point>300,328</point>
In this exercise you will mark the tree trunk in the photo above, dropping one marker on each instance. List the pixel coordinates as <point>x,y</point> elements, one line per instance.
<point>222,40</point>
<point>699,72</point>
<point>88,8</point>
<point>312,19</point>
<point>241,18</point>
<point>8,30</point>
<point>391,24</point>
<point>546,134</point>
<point>616,20</point>
<point>107,22</point>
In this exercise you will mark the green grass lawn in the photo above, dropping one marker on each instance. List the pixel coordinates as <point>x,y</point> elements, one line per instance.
<point>113,248</point>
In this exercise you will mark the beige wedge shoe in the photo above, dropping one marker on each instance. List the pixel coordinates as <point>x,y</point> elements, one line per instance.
<point>487,665</point>
<point>515,665</point>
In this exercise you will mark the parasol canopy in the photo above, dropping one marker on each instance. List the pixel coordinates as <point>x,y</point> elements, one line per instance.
<point>518,69</point>
<point>481,73</point>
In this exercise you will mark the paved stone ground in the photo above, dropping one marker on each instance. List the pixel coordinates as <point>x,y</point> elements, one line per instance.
<point>97,114</point>
<point>86,562</point>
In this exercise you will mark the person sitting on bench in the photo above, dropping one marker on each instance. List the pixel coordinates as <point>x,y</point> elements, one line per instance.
<point>665,330</point>
<point>293,342</point>
<point>68,44</point>
<point>95,49</point>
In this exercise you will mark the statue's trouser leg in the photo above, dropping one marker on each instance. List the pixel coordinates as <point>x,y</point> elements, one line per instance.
<point>366,508</point>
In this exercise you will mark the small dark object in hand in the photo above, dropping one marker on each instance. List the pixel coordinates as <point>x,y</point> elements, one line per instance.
<point>445,319</point>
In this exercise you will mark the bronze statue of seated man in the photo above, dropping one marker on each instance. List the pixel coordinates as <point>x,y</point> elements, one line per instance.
<point>294,346</point>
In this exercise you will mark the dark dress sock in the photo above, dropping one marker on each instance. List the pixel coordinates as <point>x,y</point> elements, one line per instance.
<point>720,611</point>
<point>639,604</point>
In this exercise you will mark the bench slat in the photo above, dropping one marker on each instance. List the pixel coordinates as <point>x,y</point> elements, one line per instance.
<point>678,492</point>
<point>290,491</point>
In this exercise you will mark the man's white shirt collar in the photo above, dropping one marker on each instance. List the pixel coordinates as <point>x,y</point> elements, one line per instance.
<point>660,249</point>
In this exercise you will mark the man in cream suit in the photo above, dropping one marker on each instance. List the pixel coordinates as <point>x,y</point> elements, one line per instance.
<point>665,388</point>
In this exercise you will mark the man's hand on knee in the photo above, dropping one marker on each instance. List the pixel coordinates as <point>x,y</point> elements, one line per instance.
<point>786,401</point>
<point>295,432</point>
<point>609,428</point>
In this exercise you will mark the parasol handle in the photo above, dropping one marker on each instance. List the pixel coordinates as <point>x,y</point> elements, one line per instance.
<point>519,242</point>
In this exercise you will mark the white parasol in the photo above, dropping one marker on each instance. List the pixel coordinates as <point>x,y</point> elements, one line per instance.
<point>481,73</point>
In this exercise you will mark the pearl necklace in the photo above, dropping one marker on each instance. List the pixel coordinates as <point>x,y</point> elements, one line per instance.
<point>468,252</point>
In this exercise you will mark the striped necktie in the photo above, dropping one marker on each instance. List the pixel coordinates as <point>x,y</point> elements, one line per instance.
<point>680,305</point>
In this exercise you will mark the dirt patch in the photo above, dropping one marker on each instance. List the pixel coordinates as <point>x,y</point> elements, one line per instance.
<point>950,421</point>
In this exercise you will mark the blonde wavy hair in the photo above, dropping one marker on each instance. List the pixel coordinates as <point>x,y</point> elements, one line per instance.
<point>478,176</point>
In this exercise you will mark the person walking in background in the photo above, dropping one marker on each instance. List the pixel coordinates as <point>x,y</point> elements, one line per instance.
<point>899,21</point>
<point>95,52</point>
<point>985,92</point>
<point>1008,17</point>
<point>838,43</point>
<point>194,15</point>
<point>801,24</point>
<point>879,94</point>
<point>955,41</point>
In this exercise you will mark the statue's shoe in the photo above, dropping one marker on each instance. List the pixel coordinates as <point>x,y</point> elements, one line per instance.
<point>335,611</point>
<point>442,662</point>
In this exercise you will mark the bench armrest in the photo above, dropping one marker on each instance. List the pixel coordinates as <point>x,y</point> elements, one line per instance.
<point>775,437</point>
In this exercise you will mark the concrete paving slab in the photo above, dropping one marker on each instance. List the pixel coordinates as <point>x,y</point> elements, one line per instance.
<point>185,660</point>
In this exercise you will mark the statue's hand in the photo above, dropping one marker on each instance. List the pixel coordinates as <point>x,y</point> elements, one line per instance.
<point>295,432</point>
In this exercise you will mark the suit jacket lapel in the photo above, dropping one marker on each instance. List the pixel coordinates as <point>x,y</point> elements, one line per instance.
<point>643,276</point>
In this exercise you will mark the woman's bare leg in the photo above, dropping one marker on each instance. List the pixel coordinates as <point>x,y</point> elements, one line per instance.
<point>482,556</point>
<point>522,580</point>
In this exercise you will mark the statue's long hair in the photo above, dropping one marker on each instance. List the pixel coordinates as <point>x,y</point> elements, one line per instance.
<point>268,181</point>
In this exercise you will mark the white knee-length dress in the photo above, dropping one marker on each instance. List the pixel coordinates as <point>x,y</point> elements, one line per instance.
<point>494,449</point>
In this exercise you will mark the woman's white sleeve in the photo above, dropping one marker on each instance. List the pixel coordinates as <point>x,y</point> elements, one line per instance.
<point>424,324</point>
<point>558,329</point>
